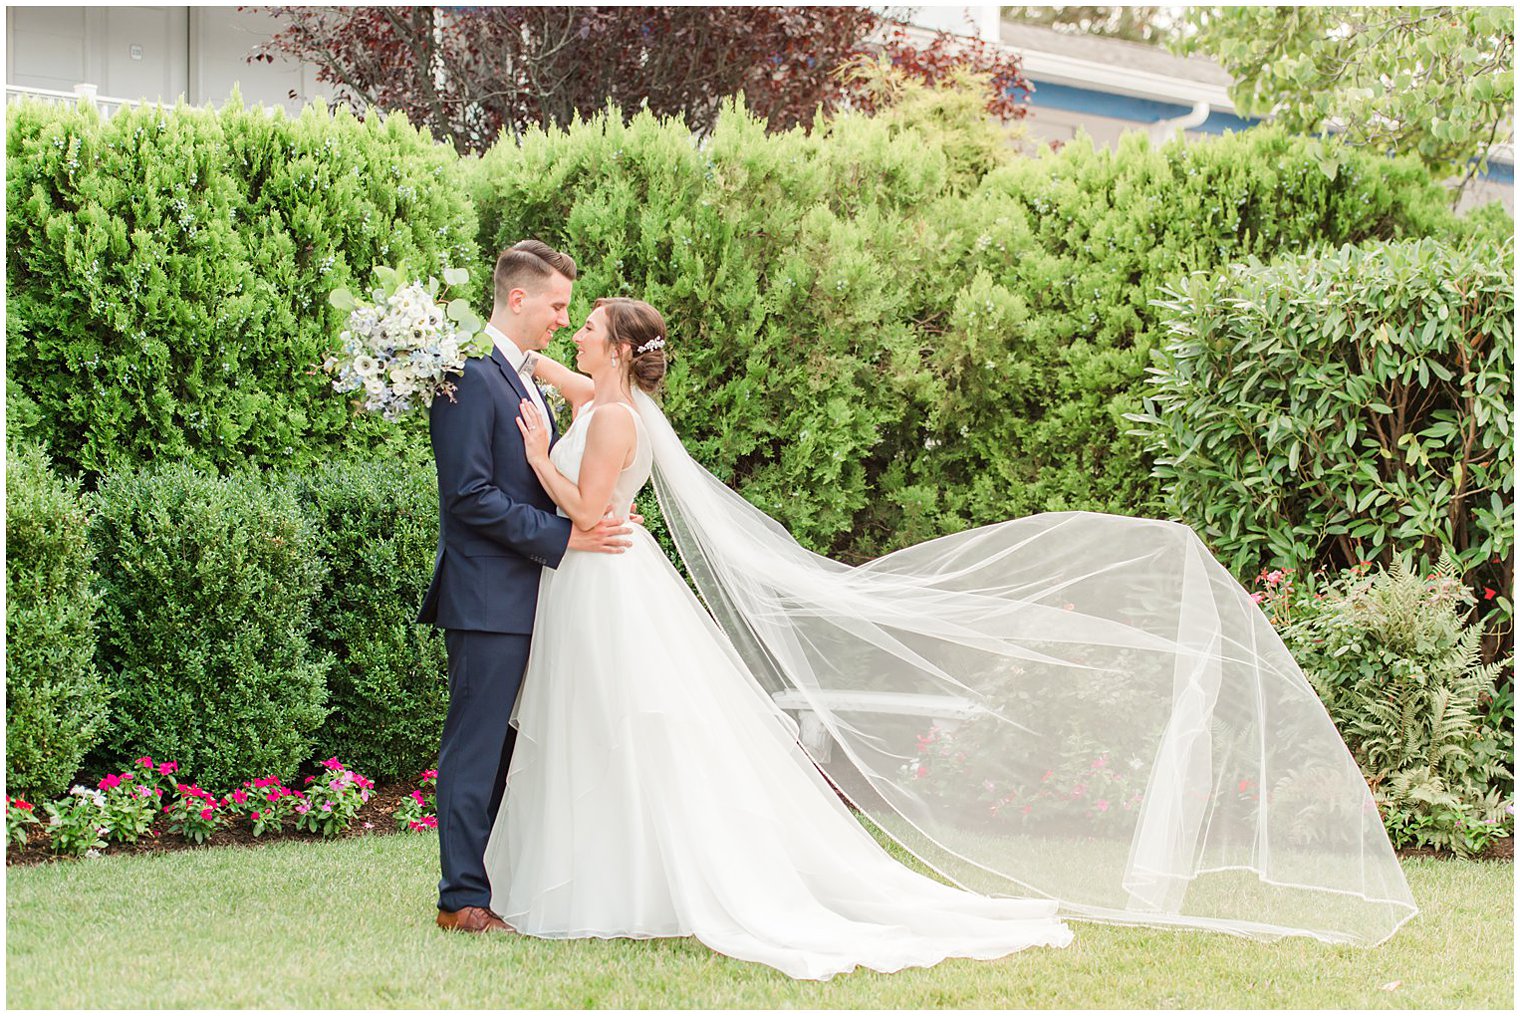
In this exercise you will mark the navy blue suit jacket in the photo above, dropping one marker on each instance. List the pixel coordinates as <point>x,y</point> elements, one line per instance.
<point>497,527</point>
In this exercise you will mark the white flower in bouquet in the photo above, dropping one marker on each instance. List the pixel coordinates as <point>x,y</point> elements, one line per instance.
<point>400,349</point>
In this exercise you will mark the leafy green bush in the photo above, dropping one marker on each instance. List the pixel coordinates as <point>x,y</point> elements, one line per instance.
<point>207,588</point>
<point>168,274</point>
<point>55,699</point>
<point>376,525</point>
<point>1397,665</point>
<point>1058,260</point>
<point>879,337</point>
<point>1322,410</point>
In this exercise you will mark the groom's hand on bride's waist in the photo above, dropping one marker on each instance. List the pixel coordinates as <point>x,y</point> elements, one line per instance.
<point>608,536</point>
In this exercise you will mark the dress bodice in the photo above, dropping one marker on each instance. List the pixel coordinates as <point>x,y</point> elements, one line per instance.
<point>569,449</point>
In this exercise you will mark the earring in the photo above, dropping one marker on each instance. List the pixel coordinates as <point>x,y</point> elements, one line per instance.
<point>614,361</point>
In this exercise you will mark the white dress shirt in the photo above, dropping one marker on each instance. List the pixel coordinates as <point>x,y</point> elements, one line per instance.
<point>515,359</point>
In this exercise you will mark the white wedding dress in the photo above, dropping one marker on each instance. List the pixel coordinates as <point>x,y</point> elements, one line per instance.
<point>656,790</point>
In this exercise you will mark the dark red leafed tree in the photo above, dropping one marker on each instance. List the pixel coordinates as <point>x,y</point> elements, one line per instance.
<point>470,72</point>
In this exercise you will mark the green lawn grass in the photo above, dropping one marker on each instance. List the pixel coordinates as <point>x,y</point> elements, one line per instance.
<point>349,925</point>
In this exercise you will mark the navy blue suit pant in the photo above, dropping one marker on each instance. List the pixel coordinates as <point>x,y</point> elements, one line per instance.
<point>485,671</point>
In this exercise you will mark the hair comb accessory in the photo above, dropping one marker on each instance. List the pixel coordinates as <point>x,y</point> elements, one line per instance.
<point>651,344</point>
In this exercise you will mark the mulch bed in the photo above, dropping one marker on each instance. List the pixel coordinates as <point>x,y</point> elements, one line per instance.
<point>379,811</point>
<point>1498,850</point>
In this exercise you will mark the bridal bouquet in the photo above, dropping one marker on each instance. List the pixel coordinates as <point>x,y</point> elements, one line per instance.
<point>400,346</point>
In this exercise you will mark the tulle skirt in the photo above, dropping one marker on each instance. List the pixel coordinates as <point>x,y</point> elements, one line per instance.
<point>656,790</point>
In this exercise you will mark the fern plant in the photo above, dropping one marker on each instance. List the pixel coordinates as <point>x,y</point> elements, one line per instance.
<point>1397,664</point>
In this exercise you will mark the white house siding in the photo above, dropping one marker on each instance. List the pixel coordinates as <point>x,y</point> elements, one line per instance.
<point>157,54</point>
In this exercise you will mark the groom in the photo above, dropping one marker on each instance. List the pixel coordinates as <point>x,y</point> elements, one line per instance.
<point>497,529</point>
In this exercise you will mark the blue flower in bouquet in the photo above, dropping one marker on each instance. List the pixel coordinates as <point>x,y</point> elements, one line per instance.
<point>399,348</point>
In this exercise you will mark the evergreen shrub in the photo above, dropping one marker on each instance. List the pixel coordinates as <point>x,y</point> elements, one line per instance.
<point>55,699</point>
<point>878,337</point>
<point>204,628</point>
<point>376,528</point>
<point>1325,409</point>
<point>168,274</point>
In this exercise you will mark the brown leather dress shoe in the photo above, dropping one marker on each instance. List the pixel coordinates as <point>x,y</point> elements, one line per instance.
<point>473,919</point>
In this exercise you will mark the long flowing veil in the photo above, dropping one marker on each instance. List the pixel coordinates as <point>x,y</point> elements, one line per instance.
<point>1074,705</point>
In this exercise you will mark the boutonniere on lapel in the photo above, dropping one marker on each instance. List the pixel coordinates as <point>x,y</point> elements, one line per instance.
<point>399,347</point>
<point>557,405</point>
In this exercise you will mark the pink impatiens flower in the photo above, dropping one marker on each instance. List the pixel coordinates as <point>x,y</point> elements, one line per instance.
<point>169,767</point>
<point>145,762</point>
<point>110,782</point>
<point>241,797</point>
<point>206,814</point>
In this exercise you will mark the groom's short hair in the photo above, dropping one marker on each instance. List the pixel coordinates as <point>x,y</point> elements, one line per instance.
<point>526,265</point>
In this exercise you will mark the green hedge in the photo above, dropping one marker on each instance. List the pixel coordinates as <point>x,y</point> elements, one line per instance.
<point>1329,408</point>
<point>376,527</point>
<point>1064,256</point>
<point>55,699</point>
<point>207,586</point>
<point>168,274</point>
<point>877,343</point>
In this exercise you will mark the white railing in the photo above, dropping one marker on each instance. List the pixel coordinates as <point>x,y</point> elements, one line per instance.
<point>947,711</point>
<point>82,95</point>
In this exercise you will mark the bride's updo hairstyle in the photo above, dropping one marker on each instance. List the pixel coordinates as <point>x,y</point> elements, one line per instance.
<point>641,328</point>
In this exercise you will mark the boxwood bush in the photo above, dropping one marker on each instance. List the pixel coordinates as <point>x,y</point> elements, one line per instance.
<point>55,699</point>
<point>207,585</point>
<point>376,526</point>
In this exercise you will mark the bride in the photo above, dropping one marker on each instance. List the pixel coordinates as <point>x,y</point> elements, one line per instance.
<point>1071,714</point>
